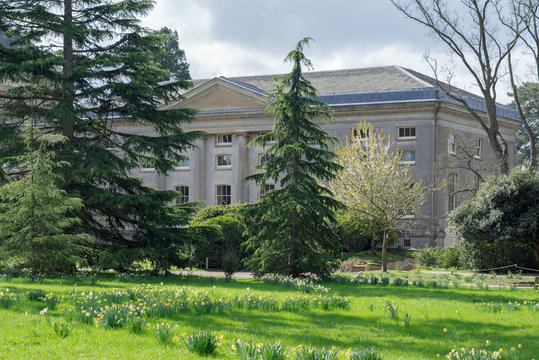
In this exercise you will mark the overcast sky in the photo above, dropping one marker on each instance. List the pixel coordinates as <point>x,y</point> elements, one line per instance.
<point>251,37</point>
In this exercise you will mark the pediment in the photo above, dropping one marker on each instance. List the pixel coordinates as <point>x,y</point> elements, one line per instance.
<point>221,94</point>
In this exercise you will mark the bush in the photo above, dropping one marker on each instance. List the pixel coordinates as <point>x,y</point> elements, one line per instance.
<point>500,225</point>
<point>223,247</point>
<point>429,257</point>
<point>231,262</point>
<point>487,255</point>
<point>450,257</point>
<point>356,233</point>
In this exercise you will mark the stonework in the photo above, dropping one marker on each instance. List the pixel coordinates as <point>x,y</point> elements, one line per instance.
<point>390,98</point>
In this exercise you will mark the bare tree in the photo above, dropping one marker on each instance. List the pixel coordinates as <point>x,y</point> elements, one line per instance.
<point>474,35</point>
<point>468,163</point>
<point>526,13</point>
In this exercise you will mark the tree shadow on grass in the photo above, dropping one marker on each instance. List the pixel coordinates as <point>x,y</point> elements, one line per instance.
<point>409,292</point>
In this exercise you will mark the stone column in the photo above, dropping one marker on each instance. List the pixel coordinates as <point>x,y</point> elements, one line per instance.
<point>201,165</point>
<point>243,167</point>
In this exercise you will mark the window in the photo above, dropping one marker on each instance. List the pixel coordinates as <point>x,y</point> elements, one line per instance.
<point>183,163</point>
<point>223,195</point>
<point>224,161</point>
<point>224,139</point>
<point>406,132</point>
<point>360,133</point>
<point>146,166</point>
<point>260,133</point>
<point>262,158</point>
<point>264,190</point>
<point>451,144</point>
<point>111,145</point>
<point>408,157</point>
<point>477,149</point>
<point>451,194</point>
<point>184,194</point>
<point>113,189</point>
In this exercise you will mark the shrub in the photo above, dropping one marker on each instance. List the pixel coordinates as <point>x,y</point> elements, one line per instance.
<point>231,262</point>
<point>487,255</point>
<point>428,257</point>
<point>228,238</point>
<point>450,257</point>
<point>500,225</point>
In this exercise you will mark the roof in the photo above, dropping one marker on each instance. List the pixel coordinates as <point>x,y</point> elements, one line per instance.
<point>369,85</point>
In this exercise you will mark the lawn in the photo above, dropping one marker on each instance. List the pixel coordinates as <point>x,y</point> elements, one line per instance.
<point>401,322</point>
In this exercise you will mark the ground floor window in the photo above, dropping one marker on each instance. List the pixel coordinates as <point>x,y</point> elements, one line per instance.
<point>184,191</point>
<point>264,190</point>
<point>223,195</point>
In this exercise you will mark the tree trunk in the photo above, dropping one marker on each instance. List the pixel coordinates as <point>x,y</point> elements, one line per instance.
<point>292,246</point>
<point>384,248</point>
<point>68,119</point>
<point>527,128</point>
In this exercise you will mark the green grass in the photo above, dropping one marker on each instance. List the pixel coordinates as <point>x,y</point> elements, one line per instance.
<point>461,311</point>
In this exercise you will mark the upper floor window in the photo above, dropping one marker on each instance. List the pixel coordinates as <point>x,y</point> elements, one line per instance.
<point>260,133</point>
<point>264,190</point>
<point>262,158</point>
<point>223,195</point>
<point>184,194</point>
<point>360,133</point>
<point>452,144</point>
<point>477,149</point>
<point>146,166</point>
<point>408,157</point>
<point>183,163</point>
<point>406,132</point>
<point>224,161</point>
<point>224,139</point>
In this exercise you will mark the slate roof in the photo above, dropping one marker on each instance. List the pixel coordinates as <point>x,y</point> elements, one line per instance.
<point>369,85</point>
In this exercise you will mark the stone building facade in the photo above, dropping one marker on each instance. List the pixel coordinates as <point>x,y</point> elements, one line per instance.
<point>433,131</point>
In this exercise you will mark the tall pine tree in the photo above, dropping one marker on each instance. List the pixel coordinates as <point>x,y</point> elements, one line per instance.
<point>80,67</point>
<point>294,232</point>
<point>35,213</point>
<point>173,59</point>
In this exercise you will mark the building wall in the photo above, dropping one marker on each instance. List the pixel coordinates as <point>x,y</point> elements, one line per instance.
<point>433,123</point>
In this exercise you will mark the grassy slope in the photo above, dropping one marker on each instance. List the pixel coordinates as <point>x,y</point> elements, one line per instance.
<point>28,336</point>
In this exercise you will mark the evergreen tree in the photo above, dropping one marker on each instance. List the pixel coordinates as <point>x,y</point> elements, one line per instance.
<point>36,216</point>
<point>173,59</point>
<point>294,232</point>
<point>82,67</point>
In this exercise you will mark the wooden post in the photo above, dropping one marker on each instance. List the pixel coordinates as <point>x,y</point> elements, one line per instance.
<point>207,263</point>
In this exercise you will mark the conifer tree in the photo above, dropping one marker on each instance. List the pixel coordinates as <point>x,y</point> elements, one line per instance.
<point>35,213</point>
<point>82,67</point>
<point>294,232</point>
<point>173,58</point>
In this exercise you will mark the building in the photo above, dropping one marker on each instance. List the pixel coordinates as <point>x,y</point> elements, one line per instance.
<point>430,129</point>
